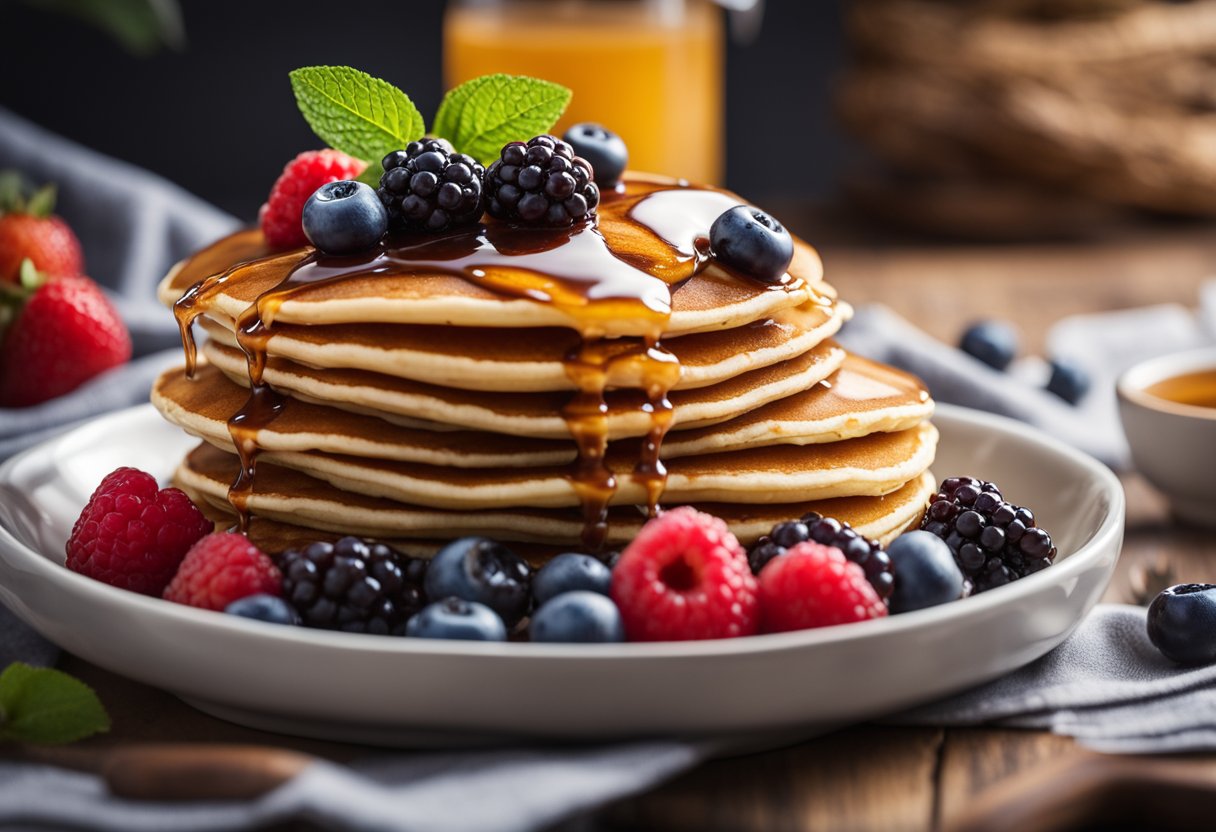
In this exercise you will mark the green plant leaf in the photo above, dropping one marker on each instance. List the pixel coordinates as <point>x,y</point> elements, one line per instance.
<point>40,705</point>
<point>480,116</point>
<point>42,203</point>
<point>353,112</point>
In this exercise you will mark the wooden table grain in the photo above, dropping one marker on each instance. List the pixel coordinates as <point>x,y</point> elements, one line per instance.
<point>866,777</point>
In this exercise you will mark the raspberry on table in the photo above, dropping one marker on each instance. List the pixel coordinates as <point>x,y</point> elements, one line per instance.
<point>541,183</point>
<point>133,534</point>
<point>354,586</point>
<point>280,217</point>
<point>814,585</point>
<point>428,186</point>
<point>220,569</point>
<point>685,577</point>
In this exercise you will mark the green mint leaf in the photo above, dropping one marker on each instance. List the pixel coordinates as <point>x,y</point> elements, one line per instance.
<point>353,112</point>
<point>480,116</point>
<point>40,705</point>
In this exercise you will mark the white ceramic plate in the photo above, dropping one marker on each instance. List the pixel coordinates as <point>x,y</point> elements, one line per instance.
<point>394,690</point>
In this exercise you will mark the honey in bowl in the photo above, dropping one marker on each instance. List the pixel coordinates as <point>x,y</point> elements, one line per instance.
<point>1196,389</point>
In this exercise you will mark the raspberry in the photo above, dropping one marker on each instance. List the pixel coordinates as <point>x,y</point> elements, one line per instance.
<point>132,535</point>
<point>222,568</point>
<point>866,553</point>
<point>541,183</point>
<point>815,586</point>
<point>993,541</point>
<point>354,586</point>
<point>428,186</point>
<point>684,577</point>
<point>280,215</point>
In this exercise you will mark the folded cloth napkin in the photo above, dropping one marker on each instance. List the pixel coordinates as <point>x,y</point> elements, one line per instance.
<point>1103,344</point>
<point>1107,685</point>
<point>132,226</point>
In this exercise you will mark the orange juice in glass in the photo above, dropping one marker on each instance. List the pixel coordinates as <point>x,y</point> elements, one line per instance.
<point>649,70</point>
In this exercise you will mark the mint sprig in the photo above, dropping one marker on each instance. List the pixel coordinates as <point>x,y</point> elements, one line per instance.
<point>368,118</point>
<point>353,112</point>
<point>40,705</point>
<point>480,116</point>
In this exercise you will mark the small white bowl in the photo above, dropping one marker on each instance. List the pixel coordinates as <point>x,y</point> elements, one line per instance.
<point>1173,445</point>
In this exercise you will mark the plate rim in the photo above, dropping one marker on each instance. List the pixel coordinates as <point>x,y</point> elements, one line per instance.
<point>42,567</point>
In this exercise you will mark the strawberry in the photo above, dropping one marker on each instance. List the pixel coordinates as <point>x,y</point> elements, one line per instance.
<point>28,230</point>
<point>65,332</point>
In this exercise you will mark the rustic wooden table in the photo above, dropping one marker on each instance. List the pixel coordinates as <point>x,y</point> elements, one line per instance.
<point>867,777</point>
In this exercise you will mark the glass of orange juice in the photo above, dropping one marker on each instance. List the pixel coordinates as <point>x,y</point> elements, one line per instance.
<point>649,70</point>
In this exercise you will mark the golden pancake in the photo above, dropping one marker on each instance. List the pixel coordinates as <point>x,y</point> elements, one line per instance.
<point>534,360</point>
<point>296,499</point>
<point>531,414</point>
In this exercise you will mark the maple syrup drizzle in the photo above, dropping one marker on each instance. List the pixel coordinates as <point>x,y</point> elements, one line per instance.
<point>609,292</point>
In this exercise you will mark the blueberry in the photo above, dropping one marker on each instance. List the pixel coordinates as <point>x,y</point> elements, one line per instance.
<point>604,149</point>
<point>344,217</point>
<point>1068,381</point>
<point>1182,623</point>
<point>568,572</point>
<point>457,619</point>
<point>263,607</point>
<point>482,570</point>
<point>992,342</point>
<point>750,241</point>
<point>925,572</point>
<point>578,616</point>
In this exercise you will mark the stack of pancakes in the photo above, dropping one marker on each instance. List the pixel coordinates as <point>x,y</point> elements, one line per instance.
<point>424,392</point>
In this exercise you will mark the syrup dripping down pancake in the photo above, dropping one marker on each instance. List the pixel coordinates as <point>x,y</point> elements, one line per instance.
<point>296,499</point>
<point>859,399</point>
<point>537,415</point>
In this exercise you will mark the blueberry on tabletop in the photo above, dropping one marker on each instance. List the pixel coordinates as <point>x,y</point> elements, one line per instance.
<point>482,570</point>
<point>750,241</point>
<point>263,607</point>
<point>925,572</point>
<point>1182,623</point>
<point>605,150</point>
<point>429,187</point>
<point>1068,381</point>
<point>344,217</point>
<point>578,616</point>
<point>456,618</point>
<point>993,342</point>
<point>568,572</point>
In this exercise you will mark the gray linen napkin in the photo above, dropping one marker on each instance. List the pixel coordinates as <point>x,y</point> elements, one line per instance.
<point>1103,344</point>
<point>1106,685</point>
<point>132,226</point>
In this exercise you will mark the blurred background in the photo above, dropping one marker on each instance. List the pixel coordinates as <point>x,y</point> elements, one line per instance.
<point>205,100</point>
<point>908,139</point>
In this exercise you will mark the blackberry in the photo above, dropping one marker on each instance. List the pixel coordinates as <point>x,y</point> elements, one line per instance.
<point>353,585</point>
<point>427,186</point>
<point>541,183</point>
<point>866,553</point>
<point>993,541</point>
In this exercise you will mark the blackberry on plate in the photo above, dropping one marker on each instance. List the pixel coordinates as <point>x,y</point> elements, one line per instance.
<point>866,553</point>
<point>992,540</point>
<point>428,186</point>
<point>353,585</point>
<point>541,183</point>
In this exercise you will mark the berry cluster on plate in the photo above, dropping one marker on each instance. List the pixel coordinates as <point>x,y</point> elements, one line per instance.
<point>685,576</point>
